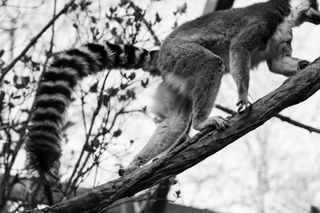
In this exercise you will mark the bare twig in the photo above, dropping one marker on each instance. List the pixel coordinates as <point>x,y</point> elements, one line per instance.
<point>71,182</point>
<point>146,23</point>
<point>281,117</point>
<point>35,39</point>
<point>49,52</point>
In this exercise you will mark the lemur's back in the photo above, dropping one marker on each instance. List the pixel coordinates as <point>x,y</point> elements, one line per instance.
<point>215,31</point>
<point>206,30</point>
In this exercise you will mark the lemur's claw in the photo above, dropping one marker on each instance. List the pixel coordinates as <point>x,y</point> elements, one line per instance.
<point>221,123</point>
<point>244,106</point>
<point>121,172</point>
<point>303,64</point>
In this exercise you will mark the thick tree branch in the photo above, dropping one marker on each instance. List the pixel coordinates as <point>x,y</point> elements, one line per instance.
<point>295,90</point>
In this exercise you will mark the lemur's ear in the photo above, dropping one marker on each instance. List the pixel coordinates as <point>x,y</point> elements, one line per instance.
<point>312,16</point>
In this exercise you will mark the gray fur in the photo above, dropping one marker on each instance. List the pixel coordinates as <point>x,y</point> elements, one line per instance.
<point>194,57</point>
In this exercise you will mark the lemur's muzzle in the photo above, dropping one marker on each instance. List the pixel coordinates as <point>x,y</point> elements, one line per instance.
<point>312,16</point>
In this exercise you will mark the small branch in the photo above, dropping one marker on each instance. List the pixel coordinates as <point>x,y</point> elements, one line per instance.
<point>71,182</point>
<point>204,144</point>
<point>34,40</point>
<point>298,124</point>
<point>146,23</point>
<point>281,117</point>
<point>49,52</point>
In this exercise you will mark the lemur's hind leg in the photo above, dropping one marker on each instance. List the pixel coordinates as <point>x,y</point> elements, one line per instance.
<point>205,93</point>
<point>174,112</point>
<point>205,71</point>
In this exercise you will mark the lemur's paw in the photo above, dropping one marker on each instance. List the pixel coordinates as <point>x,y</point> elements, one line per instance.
<point>244,106</point>
<point>303,64</point>
<point>218,122</point>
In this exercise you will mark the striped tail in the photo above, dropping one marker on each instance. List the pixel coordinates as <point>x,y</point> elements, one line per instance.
<point>53,95</point>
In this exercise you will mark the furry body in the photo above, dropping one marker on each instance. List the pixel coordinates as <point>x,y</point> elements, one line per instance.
<point>193,59</point>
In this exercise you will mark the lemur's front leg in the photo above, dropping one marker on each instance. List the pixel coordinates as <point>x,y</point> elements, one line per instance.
<point>241,48</point>
<point>240,71</point>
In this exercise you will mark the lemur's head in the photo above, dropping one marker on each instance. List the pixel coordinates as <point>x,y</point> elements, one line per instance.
<point>305,11</point>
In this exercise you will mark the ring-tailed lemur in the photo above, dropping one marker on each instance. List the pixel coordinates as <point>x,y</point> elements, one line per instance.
<point>194,57</point>
<point>191,60</point>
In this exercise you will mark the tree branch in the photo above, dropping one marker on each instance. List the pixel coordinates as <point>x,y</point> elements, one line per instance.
<point>34,40</point>
<point>281,117</point>
<point>146,23</point>
<point>294,90</point>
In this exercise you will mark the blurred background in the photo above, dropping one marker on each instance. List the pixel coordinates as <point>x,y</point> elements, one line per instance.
<point>274,168</point>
